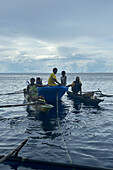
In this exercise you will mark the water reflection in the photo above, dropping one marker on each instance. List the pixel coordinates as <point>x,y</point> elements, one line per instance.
<point>49,120</point>
<point>77,106</point>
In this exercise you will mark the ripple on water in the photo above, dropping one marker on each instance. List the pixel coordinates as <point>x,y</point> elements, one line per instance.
<point>87,131</point>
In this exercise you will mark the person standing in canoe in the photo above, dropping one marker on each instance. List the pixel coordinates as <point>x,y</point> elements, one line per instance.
<point>76,86</point>
<point>63,78</point>
<point>32,89</point>
<point>52,81</point>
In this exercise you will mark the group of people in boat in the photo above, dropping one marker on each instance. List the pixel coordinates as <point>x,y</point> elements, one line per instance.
<point>52,81</point>
<point>76,85</point>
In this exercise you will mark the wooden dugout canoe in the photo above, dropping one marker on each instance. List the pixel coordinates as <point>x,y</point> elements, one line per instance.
<point>38,106</point>
<point>84,99</point>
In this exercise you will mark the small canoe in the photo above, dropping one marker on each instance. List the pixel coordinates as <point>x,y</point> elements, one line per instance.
<point>37,106</point>
<point>50,92</point>
<point>84,99</point>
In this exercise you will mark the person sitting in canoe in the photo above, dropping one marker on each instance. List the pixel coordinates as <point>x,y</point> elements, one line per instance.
<point>76,86</point>
<point>32,92</point>
<point>63,78</point>
<point>39,82</point>
<point>32,89</point>
<point>52,81</point>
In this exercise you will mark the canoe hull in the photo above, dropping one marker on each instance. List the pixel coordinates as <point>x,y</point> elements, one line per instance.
<point>85,100</point>
<point>40,108</point>
<point>50,93</point>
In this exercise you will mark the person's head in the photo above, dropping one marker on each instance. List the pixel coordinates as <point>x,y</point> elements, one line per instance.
<point>55,70</point>
<point>77,79</point>
<point>38,79</point>
<point>63,73</point>
<point>32,80</point>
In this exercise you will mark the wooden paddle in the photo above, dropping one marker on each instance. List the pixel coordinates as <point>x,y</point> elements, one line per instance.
<point>15,150</point>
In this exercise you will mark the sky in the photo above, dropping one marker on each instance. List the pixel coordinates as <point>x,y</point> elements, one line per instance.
<point>72,35</point>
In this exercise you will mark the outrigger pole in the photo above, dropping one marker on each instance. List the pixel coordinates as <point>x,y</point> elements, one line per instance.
<point>16,92</point>
<point>16,105</point>
<point>14,151</point>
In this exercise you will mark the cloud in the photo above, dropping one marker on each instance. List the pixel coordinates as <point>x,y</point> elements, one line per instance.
<point>59,19</point>
<point>75,36</point>
<point>26,54</point>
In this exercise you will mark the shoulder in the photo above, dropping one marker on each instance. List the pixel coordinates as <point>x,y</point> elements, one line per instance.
<point>80,83</point>
<point>28,86</point>
<point>52,74</point>
<point>73,83</point>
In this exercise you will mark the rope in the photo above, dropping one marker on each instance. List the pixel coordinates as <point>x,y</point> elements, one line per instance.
<point>62,134</point>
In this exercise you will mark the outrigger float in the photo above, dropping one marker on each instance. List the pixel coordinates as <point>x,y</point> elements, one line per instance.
<point>85,99</point>
<point>14,161</point>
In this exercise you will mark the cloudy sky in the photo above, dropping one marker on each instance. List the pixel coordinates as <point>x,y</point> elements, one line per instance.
<point>72,35</point>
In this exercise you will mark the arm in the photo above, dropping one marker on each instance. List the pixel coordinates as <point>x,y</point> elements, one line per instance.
<point>65,80</point>
<point>81,89</point>
<point>39,85</point>
<point>56,81</point>
<point>69,85</point>
<point>28,89</point>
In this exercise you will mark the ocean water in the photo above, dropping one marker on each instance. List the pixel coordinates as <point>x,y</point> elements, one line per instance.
<point>87,131</point>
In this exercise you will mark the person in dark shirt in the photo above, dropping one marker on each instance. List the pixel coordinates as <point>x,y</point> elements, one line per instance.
<point>76,86</point>
<point>39,82</point>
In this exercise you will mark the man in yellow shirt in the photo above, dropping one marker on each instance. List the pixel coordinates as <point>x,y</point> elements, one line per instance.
<point>52,81</point>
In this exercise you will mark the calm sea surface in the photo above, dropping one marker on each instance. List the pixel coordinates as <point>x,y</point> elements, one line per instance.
<point>87,131</point>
